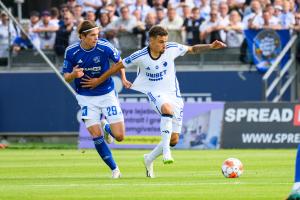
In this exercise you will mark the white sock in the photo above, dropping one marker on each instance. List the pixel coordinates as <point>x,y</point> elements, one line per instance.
<point>296,186</point>
<point>157,151</point>
<point>166,132</point>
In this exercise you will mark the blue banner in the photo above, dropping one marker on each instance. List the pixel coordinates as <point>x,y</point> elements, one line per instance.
<point>265,45</point>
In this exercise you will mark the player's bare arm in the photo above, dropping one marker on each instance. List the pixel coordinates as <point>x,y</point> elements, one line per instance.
<point>89,82</point>
<point>125,82</point>
<point>76,73</point>
<point>200,48</point>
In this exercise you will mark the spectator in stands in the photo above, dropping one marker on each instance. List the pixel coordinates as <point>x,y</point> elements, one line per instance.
<point>123,27</point>
<point>210,29</point>
<point>77,12</point>
<point>54,13</point>
<point>277,13</point>
<point>287,18</point>
<point>224,19</point>
<point>5,40</point>
<point>185,11</point>
<point>46,31</point>
<point>90,5</point>
<point>143,30</point>
<point>191,27</point>
<point>234,30</point>
<point>142,7</point>
<point>111,8</point>
<point>160,14</point>
<point>71,4</point>
<point>63,34</point>
<point>34,19</point>
<point>204,9</point>
<point>22,42</point>
<point>250,20</point>
<point>173,23</point>
<point>90,15</point>
<point>267,21</point>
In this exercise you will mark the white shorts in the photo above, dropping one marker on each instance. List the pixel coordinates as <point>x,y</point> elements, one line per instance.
<point>93,106</point>
<point>157,100</point>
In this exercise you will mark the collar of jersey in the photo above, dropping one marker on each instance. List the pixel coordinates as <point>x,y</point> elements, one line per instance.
<point>85,49</point>
<point>148,48</point>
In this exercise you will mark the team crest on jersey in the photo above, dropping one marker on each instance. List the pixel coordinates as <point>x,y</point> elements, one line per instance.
<point>165,64</point>
<point>96,59</point>
<point>128,60</point>
<point>156,67</point>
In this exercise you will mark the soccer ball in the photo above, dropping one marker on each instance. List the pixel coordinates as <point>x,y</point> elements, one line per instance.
<point>232,168</point>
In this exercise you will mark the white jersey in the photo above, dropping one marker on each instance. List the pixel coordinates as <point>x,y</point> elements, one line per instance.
<point>156,76</point>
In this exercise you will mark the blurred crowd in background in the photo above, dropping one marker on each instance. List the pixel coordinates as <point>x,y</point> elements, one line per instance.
<point>125,22</point>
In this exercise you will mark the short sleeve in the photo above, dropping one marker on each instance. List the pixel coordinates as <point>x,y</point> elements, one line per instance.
<point>132,60</point>
<point>112,52</point>
<point>177,49</point>
<point>67,65</point>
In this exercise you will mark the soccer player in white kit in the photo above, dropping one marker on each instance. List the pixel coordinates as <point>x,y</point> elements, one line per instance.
<point>157,79</point>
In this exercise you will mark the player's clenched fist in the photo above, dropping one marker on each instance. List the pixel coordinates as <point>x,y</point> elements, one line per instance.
<point>77,72</point>
<point>217,45</point>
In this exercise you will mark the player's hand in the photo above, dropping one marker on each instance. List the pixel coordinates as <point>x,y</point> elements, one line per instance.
<point>77,72</point>
<point>89,82</point>
<point>217,45</point>
<point>127,84</point>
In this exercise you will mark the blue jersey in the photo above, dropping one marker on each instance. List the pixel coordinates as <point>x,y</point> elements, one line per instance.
<point>94,63</point>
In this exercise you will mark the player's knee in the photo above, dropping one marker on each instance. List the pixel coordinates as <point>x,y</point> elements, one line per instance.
<point>119,137</point>
<point>174,141</point>
<point>167,109</point>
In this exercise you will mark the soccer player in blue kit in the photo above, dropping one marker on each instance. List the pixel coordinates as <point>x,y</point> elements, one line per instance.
<point>88,59</point>
<point>295,194</point>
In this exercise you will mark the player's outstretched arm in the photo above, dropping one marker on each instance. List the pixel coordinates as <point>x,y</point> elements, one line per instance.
<point>89,82</point>
<point>199,48</point>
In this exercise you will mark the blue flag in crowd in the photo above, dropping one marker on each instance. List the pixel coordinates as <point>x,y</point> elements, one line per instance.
<point>265,45</point>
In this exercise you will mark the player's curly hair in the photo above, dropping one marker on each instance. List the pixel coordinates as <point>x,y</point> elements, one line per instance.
<point>85,27</point>
<point>157,31</point>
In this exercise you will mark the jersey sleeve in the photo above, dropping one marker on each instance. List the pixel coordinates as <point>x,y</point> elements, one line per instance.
<point>130,61</point>
<point>67,65</point>
<point>112,51</point>
<point>177,49</point>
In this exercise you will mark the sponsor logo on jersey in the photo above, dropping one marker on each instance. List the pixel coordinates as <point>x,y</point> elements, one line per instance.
<point>93,69</point>
<point>156,76</point>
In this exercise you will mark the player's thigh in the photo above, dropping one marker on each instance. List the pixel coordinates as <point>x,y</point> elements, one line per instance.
<point>157,101</point>
<point>111,109</point>
<point>89,110</point>
<point>178,115</point>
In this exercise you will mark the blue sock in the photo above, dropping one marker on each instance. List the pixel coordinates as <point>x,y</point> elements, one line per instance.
<point>104,152</point>
<point>107,129</point>
<point>297,166</point>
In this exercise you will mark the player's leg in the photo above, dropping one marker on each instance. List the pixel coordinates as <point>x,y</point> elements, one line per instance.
<point>91,118</point>
<point>295,194</point>
<point>101,147</point>
<point>166,131</point>
<point>113,125</point>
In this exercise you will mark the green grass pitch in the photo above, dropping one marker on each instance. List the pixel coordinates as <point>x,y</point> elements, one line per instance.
<point>196,174</point>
